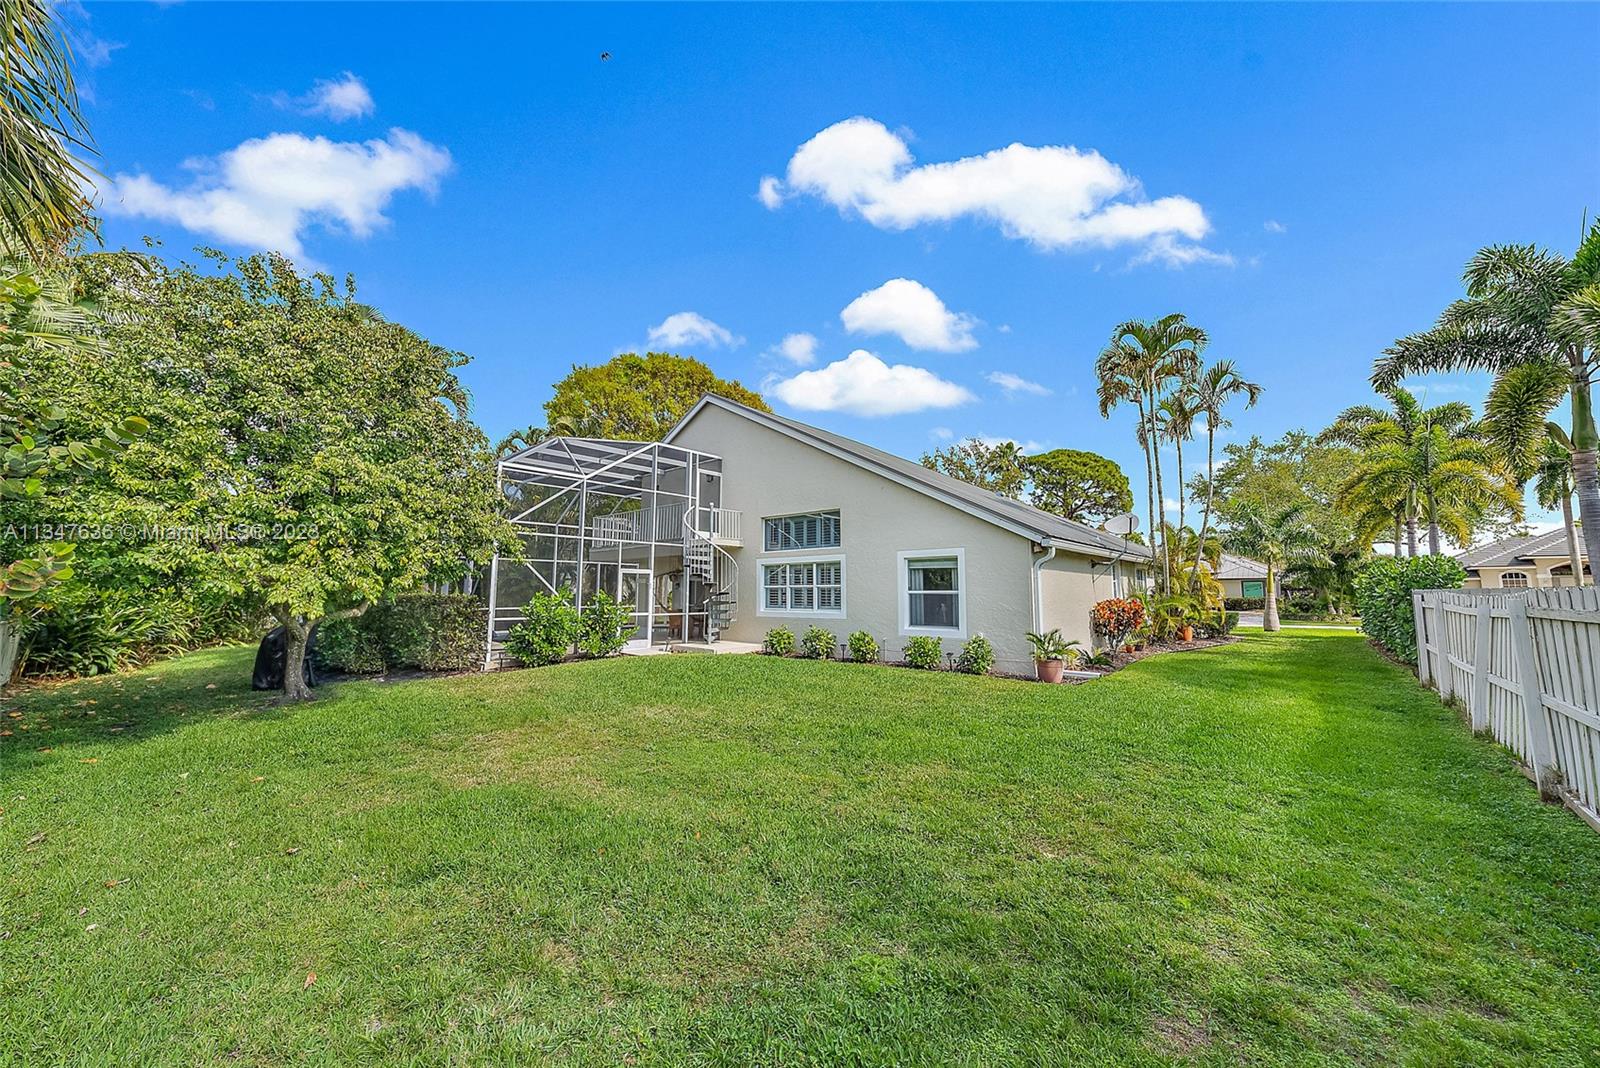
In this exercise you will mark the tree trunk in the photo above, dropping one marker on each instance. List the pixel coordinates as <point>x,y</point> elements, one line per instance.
<point>1573,556</point>
<point>1149,479</point>
<point>1585,475</point>
<point>1161,498</point>
<point>297,631</point>
<point>1411,534</point>
<point>1433,525</point>
<point>1397,525</point>
<point>1178,442</point>
<point>1269,610</point>
<point>1205,516</point>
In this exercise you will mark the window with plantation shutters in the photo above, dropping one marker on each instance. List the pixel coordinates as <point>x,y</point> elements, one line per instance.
<point>812,530</point>
<point>803,587</point>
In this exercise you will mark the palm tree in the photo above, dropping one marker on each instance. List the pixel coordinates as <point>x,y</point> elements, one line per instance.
<point>1175,421</point>
<point>1552,483</point>
<point>1403,425</point>
<point>41,181</point>
<point>1210,393</point>
<point>1139,364</point>
<point>1525,307</point>
<point>1446,473</point>
<point>1278,539</point>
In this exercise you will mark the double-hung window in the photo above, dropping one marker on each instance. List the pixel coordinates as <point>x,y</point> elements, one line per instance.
<point>813,530</point>
<point>932,592</point>
<point>803,587</point>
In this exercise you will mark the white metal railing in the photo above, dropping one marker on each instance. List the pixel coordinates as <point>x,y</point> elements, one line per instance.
<point>1525,664</point>
<point>666,522</point>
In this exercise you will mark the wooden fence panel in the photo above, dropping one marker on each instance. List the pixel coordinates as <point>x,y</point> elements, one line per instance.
<point>1525,666</point>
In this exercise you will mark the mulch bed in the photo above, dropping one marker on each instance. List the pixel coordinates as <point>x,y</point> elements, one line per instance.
<point>1122,660</point>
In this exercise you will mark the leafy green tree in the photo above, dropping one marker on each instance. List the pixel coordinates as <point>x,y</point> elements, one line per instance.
<point>637,398</point>
<point>1082,486</point>
<point>42,205</point>
<point>1140,365</point>
<point>1213,389</point>
<point>1279,538</point>
<point>1525,307</point>
<point>998,467</point>
<point>319,458</point>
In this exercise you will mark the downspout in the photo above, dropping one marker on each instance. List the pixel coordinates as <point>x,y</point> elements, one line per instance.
<point>1038,587</point>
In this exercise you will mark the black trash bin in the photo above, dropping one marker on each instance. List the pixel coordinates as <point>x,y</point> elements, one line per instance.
<point>268,674</point>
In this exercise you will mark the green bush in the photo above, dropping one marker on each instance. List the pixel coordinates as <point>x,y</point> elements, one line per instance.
<point>88,629</point>
<point>778,642</point>
<point>424,631</point>
<point>818,643</point>
<point>549,632</point>
<point>863,648</point>
<point>1245,604</point>
<point>606,626</point>
<point>1230,620</point>
<point>924,652</point>
<point>976,656</point>
<point>1383,597</point>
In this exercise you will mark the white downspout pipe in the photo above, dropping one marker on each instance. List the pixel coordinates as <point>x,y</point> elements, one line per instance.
<point>1038,587</point>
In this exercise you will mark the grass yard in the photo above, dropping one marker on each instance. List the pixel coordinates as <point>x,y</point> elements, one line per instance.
<point>1280,851</point>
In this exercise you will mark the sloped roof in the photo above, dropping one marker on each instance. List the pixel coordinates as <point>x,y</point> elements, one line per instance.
<point>1240,567</point>
<point>1013,515</point>
<point>1509,552</point>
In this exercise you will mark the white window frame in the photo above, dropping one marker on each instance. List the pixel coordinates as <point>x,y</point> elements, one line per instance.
<point>1527,580</point>
<point>764,562</point>
<point>903,571</point>
<point>838,520</point>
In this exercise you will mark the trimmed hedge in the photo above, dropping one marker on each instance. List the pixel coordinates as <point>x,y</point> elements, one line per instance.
<point>1383,597</point>
<point>424,631</point>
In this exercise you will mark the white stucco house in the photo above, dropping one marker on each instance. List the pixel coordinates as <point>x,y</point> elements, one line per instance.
<point>1242,577</point>
<point>741,520</point>
<point>1534,560</point>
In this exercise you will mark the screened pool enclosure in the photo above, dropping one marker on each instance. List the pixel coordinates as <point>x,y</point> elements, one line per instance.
<point>642,521</point>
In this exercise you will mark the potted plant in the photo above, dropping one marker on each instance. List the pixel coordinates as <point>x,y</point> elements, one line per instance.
<point>1050,654</point>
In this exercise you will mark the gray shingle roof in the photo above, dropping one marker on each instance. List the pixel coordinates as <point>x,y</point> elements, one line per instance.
<point>986,505</point>
<point>1509,552</point>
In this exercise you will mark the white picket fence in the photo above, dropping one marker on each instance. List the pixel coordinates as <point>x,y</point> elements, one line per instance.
<point>1525,664</point>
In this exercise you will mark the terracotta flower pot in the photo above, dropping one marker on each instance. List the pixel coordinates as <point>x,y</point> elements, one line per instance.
<point>1186,632</point>
<point>1049,670</point>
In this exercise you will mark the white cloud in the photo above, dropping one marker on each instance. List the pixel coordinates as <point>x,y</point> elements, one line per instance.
<point>1169,504</point>
<point>266,192</point>
<point>1054,197</point>
<point>914,313</point>
<point>770,193</point>
<point>862,384</point>
<point>691,328</point>
<point>1174,253</point>
<point>1273,226</point>
<point>941,433</point>
<point>798,349</point>
<point>341,98</point>
<point>1014,384</point>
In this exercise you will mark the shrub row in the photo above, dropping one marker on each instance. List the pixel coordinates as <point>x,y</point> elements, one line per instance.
<point>1383,597</point>
<point>553,628</point>
<point>925,652</point>
<point>425,631</point>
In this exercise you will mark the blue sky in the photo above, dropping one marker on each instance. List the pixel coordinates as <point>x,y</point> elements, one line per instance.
<point>1305,182</point>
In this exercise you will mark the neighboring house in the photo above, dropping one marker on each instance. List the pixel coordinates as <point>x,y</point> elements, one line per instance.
<point>1243,577</point>
<point>741,520</point>
<point>1535,560</point>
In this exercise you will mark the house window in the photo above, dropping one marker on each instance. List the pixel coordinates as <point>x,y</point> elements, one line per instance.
<point>1252,589</point>
<point>1514,580</point>
<point>814,530</point>
<point>932,592</point>
<point>803,587</point>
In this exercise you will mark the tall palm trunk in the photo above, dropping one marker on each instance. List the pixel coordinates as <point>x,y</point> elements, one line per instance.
<point>1205,516</point>
<point>1433,525</point>
<point>1573,556</point>
<point>1269,611</point>
<point>1397,524</point>
<point>1178,442</point>
<point>1585,472</point>
<point>1411,534</point>
<point>1161,496</point>
<point>1149,476</point>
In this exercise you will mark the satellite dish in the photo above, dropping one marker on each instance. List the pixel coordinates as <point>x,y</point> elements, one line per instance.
<point>1124,524</point>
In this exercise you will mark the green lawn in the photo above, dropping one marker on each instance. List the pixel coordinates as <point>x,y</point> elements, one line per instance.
<point>1279,851</point>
